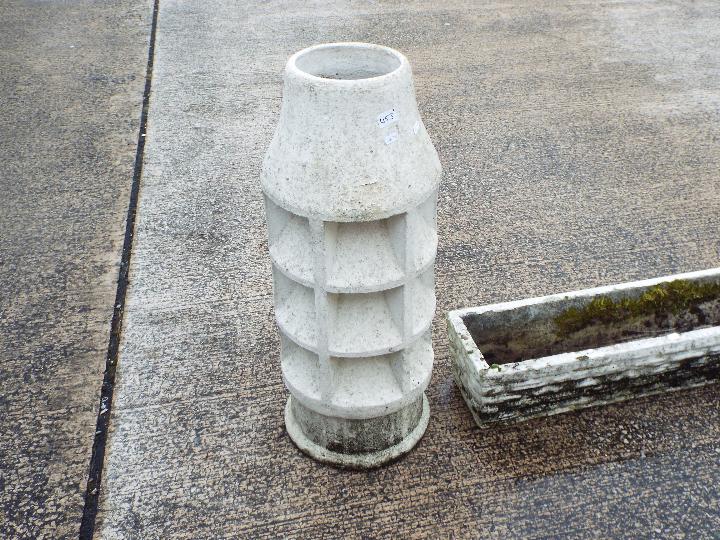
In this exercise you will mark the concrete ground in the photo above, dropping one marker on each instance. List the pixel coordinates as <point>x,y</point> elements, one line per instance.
<point>71,83</point>
<point>581,146</point>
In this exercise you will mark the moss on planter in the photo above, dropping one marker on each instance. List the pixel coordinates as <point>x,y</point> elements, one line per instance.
<point>676,306</point>
<point>673,297</point>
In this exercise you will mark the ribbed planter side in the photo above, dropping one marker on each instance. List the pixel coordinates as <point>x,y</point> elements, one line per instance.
<point>572,380</point>
<point>350,182</point>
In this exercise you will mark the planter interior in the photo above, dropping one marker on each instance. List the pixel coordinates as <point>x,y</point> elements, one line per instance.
<point>583,323</point>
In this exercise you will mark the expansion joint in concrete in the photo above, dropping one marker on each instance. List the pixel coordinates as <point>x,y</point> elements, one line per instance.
<point>92,492</point>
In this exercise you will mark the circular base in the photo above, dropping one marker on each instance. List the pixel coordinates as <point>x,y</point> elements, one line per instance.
<point>355,461</point>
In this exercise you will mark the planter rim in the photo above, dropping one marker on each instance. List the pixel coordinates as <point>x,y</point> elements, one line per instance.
<point>673,339</point>
<point>703,338</point>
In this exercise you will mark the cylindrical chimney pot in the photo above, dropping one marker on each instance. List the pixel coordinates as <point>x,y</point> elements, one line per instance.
<point>350,182</point>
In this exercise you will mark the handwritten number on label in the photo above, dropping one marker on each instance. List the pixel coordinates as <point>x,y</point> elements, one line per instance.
<point>387,118</point>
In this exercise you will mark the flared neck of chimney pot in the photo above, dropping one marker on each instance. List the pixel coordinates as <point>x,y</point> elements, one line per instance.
<point>350,144</point>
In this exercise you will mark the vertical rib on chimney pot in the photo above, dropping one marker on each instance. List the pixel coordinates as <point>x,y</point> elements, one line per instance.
<point>350,182</point>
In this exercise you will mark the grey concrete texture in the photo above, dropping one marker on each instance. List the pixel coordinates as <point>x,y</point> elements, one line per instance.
<point>581,147</point>
<point>71,82</point>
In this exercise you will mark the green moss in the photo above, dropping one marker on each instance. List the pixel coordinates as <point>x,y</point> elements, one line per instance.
<point>672,297</point>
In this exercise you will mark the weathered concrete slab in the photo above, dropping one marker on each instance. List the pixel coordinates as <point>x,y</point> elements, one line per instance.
<point>71,81</point>
<point>581,147</point>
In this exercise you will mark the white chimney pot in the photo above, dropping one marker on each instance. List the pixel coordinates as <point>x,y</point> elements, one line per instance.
<point>350,182</point>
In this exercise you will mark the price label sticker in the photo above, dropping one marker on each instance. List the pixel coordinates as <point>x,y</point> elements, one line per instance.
<point>387,118</point>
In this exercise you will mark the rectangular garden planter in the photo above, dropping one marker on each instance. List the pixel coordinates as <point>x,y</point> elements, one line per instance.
<point>541,356</point>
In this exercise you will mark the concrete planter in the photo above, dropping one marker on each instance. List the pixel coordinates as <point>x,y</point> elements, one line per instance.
<point>350,183</point>
<point>518,360</point>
